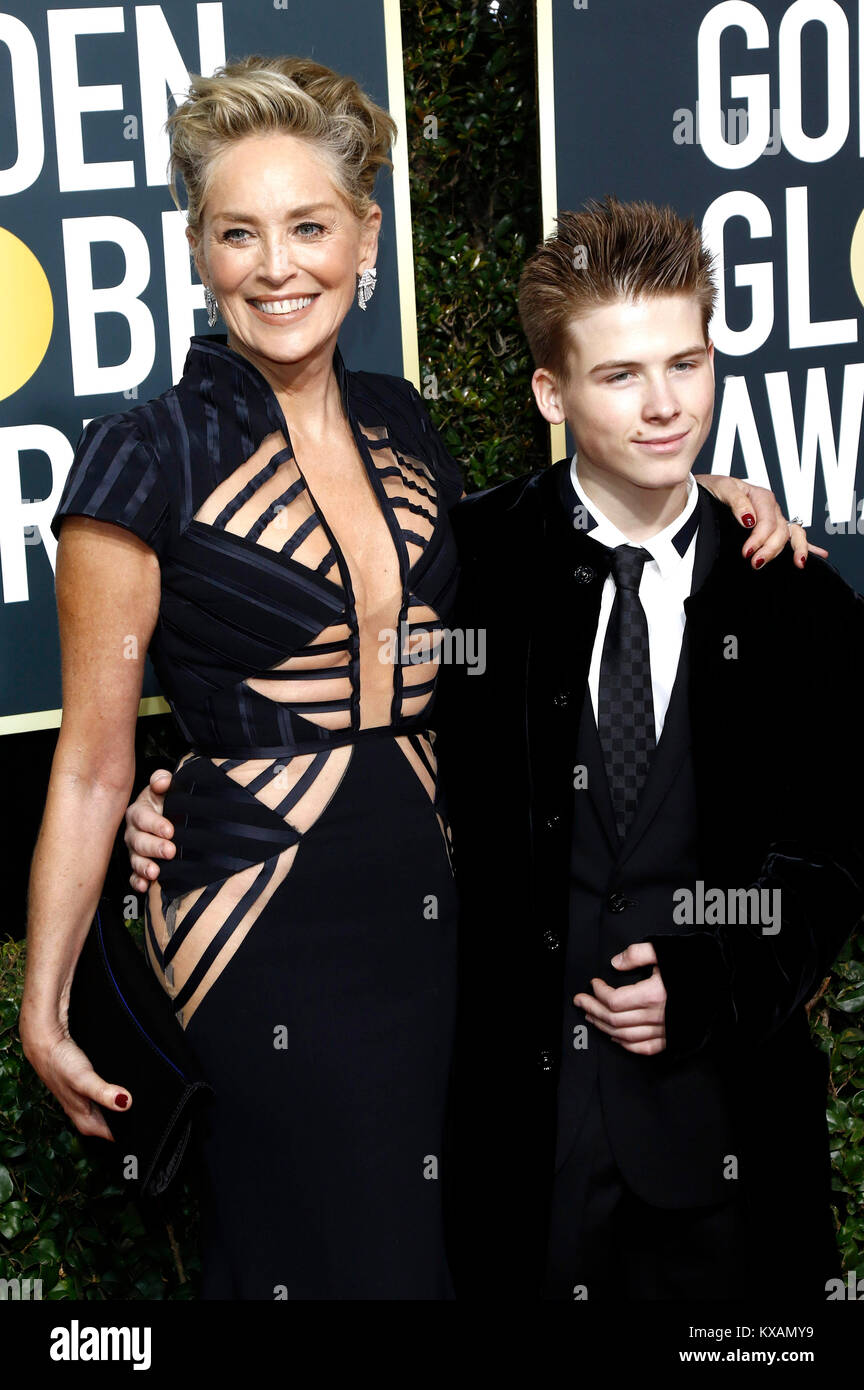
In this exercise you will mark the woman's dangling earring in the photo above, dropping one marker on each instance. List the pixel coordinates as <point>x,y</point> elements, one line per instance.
<point>366,287</point>
<point>212,306</point>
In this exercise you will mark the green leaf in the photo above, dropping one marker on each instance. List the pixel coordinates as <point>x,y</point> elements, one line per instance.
<point>39,1253</point>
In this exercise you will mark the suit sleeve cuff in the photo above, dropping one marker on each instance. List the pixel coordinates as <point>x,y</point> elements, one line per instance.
<point>698,989</point>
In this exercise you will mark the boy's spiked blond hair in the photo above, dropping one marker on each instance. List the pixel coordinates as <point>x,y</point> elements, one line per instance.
<point>607,251</point>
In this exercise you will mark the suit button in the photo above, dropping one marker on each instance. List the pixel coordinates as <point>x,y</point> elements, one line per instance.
<point>552,822</point>
<point>584,574</point>
<point>545,1060</point>
<point>551,941</point>
<point>616,903</point>
<point>561,700</point>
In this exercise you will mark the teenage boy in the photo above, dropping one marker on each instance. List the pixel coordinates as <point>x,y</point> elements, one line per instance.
<point>640,1111</point>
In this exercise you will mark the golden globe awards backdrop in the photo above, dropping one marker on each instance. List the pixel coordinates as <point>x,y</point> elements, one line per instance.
<point>750,118</point>
<point>97,292</point>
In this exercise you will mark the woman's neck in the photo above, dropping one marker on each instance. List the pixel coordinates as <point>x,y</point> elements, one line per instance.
<point>307,391</point>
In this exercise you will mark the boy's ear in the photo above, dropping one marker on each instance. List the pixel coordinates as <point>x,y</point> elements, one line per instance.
<point>547,394</point>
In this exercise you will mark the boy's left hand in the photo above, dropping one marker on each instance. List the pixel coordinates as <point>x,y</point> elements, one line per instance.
<point>634,1015</point>
<point>759,511</point>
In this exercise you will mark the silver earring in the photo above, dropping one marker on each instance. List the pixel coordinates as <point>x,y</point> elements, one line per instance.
<point>366,287</point>
<point>212,306</point>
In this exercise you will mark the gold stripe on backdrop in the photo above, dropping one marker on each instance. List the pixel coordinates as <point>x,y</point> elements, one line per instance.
<point>548,169</point>
<point>401,192</point>
<point>50,718</point>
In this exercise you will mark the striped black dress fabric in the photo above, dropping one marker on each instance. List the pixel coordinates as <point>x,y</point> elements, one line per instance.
<point>311,889</point>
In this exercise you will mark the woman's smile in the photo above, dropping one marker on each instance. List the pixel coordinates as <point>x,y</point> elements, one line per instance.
<point>281,311</point>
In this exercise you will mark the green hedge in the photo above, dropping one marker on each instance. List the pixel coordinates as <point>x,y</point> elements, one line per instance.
<point>475,197</point>
<point>837,1024</point>
<point>475,192</point>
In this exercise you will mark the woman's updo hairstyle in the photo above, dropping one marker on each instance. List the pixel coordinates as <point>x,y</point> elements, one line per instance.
<point>256,96</point>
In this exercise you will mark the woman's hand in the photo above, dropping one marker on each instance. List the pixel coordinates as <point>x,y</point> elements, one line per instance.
<point>67,1073</point>
<point>147,831</point>
<point>758,510</point>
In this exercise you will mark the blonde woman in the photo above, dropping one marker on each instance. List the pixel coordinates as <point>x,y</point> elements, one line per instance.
<point>260,527</point>
<point>264,528</point>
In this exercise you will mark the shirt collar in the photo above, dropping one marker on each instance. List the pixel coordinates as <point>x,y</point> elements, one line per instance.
<point>667,548</point>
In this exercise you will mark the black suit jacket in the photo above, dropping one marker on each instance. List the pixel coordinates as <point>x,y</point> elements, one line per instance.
<point>667,1117</point>
<point>773,736</point>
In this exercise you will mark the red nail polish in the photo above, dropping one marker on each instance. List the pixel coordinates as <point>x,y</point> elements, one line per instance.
<point>758,564</point>
<point>121,1100</point>
<point>748,553</point>
<point>748,519</point>
<point>803,561</point>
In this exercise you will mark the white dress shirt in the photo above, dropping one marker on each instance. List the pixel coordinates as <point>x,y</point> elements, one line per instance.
<point>666,582</point>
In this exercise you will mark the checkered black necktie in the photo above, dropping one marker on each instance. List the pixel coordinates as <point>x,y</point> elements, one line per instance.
<point>625,704</point>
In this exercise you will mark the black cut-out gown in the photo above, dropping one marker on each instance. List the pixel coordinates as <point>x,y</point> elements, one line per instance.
<point>305,929</point>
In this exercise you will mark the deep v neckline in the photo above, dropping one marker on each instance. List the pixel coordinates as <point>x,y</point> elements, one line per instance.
<point>218,345</point>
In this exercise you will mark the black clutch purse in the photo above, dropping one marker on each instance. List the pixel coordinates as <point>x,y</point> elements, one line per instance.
<point>122,1018</point>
